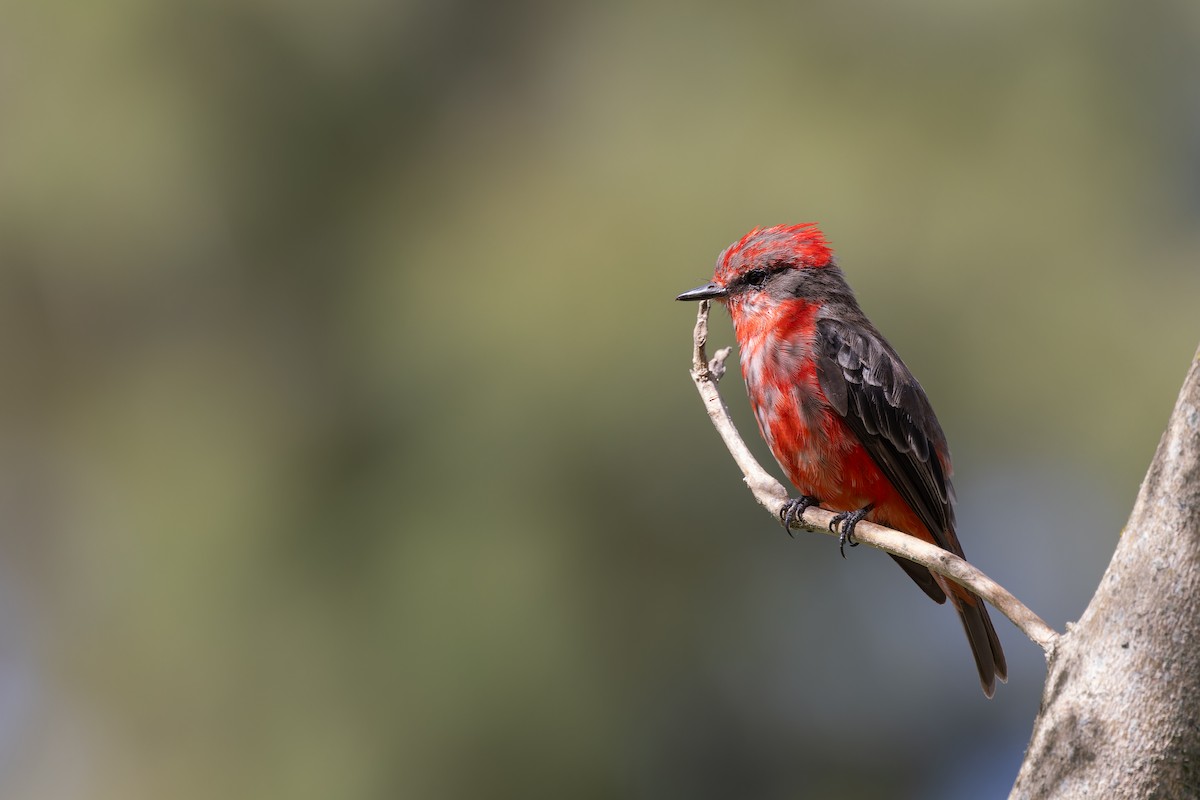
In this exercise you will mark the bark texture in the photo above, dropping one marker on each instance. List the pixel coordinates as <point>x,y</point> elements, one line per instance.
<point>1120,714</point>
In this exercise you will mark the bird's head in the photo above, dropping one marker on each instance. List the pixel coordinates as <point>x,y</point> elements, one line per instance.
<point>768,266</point>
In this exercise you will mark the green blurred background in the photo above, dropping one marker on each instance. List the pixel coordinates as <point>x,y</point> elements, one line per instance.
<point>348,447</point>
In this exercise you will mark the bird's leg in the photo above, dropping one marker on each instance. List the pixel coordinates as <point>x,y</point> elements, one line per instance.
<point>793,509</point>
<point>848,519</point>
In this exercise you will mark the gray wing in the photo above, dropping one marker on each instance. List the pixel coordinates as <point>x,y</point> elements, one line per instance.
<point>886,408</point>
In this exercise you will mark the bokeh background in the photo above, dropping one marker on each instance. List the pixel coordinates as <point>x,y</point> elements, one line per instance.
<point>347,446</point>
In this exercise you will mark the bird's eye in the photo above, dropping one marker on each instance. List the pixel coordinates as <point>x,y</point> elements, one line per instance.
<point>756,277</point>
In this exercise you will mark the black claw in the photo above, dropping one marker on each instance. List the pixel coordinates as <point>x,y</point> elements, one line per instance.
<point>847,519</point>
<point>793,509</point>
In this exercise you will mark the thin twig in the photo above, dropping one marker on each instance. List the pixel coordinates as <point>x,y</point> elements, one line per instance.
<point>771,494</point>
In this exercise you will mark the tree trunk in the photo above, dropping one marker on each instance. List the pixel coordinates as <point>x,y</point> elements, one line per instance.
<point>1120,714</point>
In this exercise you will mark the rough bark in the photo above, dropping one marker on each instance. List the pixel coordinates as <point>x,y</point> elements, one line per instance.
<point>1120,713</point>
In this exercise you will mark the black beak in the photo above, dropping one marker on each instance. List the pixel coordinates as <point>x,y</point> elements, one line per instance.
<point>708,291</point>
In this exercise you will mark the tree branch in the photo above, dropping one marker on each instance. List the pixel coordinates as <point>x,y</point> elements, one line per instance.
<point>1119,715</point>
<point>771,494</point>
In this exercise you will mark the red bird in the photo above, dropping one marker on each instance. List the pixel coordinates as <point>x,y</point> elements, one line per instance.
<point>844,417</point>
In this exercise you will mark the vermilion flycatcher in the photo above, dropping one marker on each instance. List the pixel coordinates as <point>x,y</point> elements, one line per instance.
<point>844,417</point>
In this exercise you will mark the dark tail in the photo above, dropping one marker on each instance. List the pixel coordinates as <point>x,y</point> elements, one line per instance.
<point>985,645</point>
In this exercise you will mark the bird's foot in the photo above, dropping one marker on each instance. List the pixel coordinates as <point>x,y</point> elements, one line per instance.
<point>847,519</point>
<point>793,509</point>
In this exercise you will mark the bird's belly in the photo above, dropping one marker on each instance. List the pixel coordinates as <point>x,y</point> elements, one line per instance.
<point>819,453</point>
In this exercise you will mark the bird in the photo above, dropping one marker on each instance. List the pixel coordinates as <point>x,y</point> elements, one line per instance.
<point>843,415</point>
